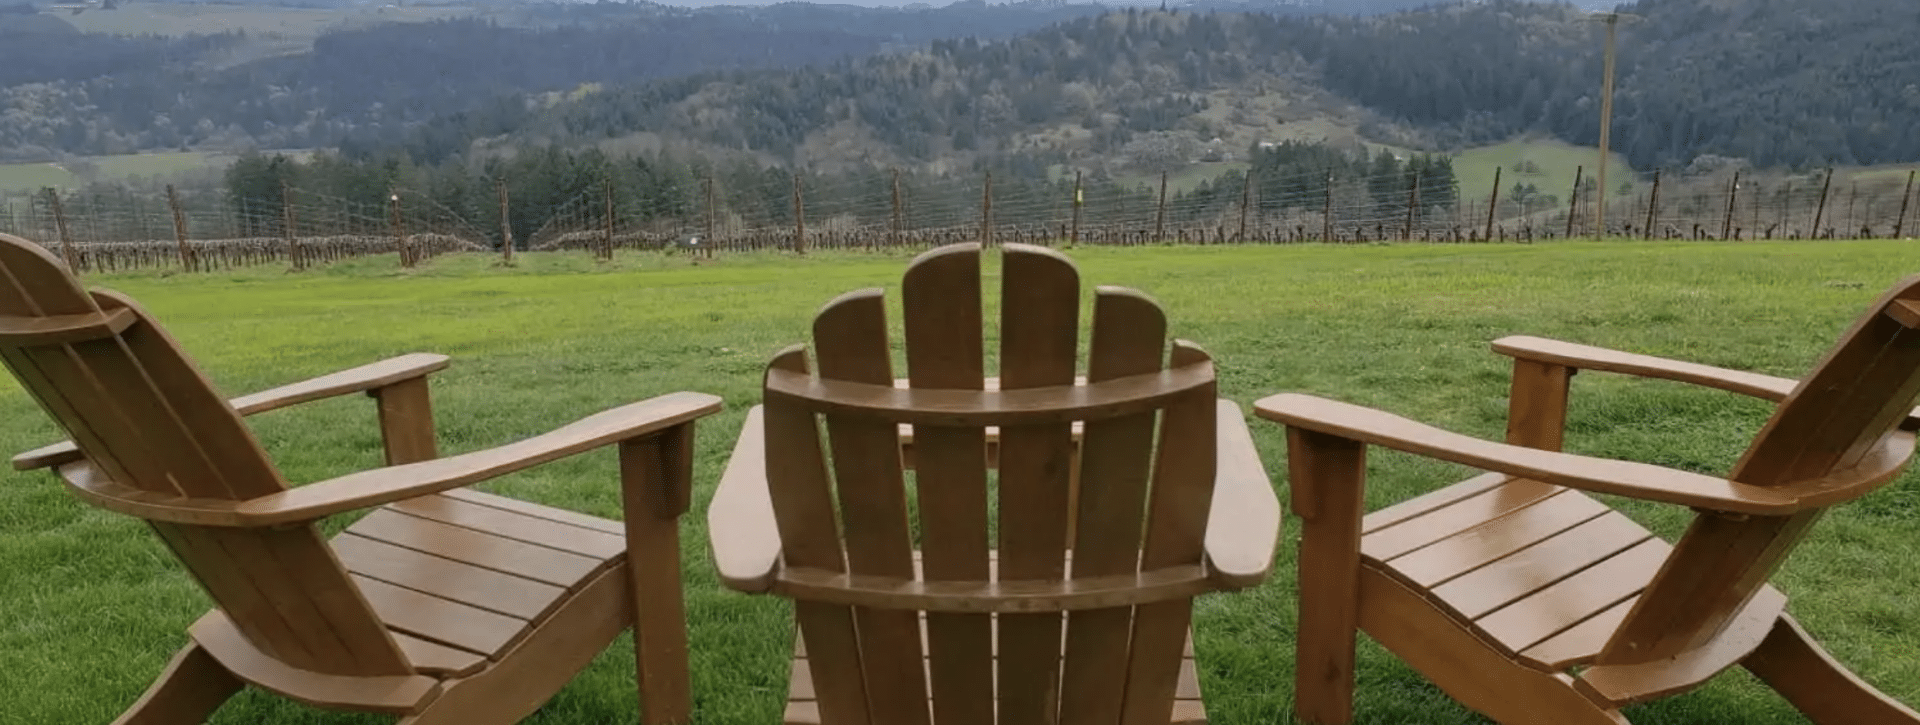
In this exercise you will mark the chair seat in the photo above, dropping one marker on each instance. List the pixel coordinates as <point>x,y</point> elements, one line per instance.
<point>459,578</point>
<point>1544,573</point>
<point>802,709</point>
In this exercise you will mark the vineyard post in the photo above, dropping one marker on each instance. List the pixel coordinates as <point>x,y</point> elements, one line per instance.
<point>1653,206</point>
<point>606,235</point>
<point>1160,213</point>
<point>706,245</point>
<point>1073,238</point>
<point>1246,200</point>
<point>893,228</point>
<point>1900,225</point>
<point>799,218</point>
<point>1820,214</point>
<point>1573,205</point>
<point>187,260</point>
<point>1413,200</point>
<point>506,223</point>
<point>1853,195</point>
<point>1326,211</point>
<point>399,230</point>
<point>986,211</point>
<point>1733,192</point>
<point>287,228</point>
<point>1786,205</point>
<point>1493,203</point>
<point>60,224</point>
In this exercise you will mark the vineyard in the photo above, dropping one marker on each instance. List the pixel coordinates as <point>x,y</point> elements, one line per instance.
<point>209,229</point>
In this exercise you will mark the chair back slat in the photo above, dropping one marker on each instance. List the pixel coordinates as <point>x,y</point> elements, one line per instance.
<point>1129,338</point>
<point>1845,409</point>
<point>1039,347</point>
<point>850,343</point>
<point>145,417</point>
<point>941,300</point>
<point>1144,478</point>
<point>804,508</point>
<point>1176,529</point>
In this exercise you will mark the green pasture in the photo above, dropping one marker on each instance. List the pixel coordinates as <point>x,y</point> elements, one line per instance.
<point>91,606</point>
<point>29,177</point>
<point>1557,161</point>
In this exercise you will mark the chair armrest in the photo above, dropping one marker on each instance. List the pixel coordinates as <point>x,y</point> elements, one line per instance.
<point>366,377</point>
<point>1637,480</point>
<point>740,520</point>
<point>1243,523</point>
<point>1587,357</point>
<point>394,483</point>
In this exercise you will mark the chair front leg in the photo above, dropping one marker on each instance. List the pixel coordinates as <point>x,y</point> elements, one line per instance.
<point>1328,475</point>
<point>406,421</point>
<point>1537,406</point>
<point>656,481</point>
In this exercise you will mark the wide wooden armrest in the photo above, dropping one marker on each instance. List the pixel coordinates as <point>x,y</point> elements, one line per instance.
<point>1637,480</point>
<point>740,522</point>
<point>1243,524</point>
<point>1588,357</point>
<point>366,377</point>
<point>395,483</point>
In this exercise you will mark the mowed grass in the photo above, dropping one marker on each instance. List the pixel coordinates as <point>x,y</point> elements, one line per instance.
<point>91,606</point>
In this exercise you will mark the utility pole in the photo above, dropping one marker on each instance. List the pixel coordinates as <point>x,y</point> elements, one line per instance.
<point>1606,118</point>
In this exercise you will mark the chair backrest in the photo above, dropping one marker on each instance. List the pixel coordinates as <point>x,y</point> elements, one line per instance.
<point>1086,607</point>
<point>146,418</point>
<point>1842,422</point>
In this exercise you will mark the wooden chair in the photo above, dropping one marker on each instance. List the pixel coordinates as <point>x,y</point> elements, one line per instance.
<point>1530,602</point>
<point>880,556</point>
<point>442,606</point>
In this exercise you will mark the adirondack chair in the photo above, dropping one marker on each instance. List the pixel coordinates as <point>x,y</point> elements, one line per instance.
<point>1530,602</point>
<point>442,606</point>
<point>890,575</point>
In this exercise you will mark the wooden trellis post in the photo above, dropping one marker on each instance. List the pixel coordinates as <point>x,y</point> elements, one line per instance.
<point>1820,214</point>
<point>1246,200</point>
<point>606,236</point>
<point>1413,200</point>
<point>1573,204</point>
<point>1326,210</point>
<point>1900,225</point>
<point>1160,213</point>
<point>1493,204</point>
<point>986,211</point>
<point>893,228</point>
<point>506,223</point>
<point>187,260</point>
<point>1653,206</point>
<point>1733,192</point>
<point>60,227</point>
<point>799,218</point>
<point>706,244</point>
<point>287,228</point>
<point>1073,238</point>
<point>399,228</point>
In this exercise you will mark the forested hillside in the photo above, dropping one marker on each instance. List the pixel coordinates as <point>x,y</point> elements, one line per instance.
<point>66,92</point>
<point>1776,82</point>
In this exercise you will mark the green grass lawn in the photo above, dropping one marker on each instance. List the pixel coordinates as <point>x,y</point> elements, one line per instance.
<point>91,606</point>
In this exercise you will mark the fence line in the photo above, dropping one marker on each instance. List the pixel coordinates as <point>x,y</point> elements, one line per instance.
<point>205,230</point>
